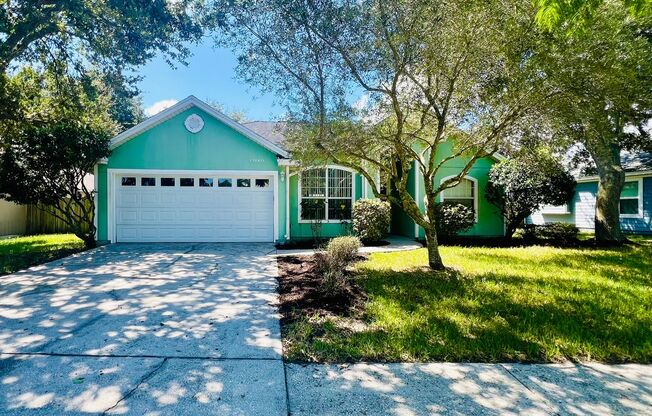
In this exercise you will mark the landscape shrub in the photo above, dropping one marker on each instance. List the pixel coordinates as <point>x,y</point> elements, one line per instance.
<point>558,232</point>
<point>453,218</point>
<point>332,263</point>
<point>561,232</point>
<point>371,219</point>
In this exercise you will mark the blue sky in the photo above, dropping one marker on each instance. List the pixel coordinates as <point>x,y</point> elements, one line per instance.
<point>210,75</point>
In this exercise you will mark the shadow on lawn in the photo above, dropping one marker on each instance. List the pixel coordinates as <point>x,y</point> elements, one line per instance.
<point>497,317</point>
<point>498,314</point>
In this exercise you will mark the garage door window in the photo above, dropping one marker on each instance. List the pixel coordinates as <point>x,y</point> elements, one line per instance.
<point>262,183</point>
<point>128,181</point>
<point>167,181</point>
<point>244,183</point>
<point>224,183</point>
<point>326,194</point>
<point>187,182</point>
<point>147,181</point>
<point>206,182</point>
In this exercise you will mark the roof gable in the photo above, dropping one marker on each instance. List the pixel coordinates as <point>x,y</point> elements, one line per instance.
<point>185,104</point>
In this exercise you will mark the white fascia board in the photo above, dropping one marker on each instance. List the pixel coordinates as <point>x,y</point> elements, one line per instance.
<point>183,105</point>
<point>288,162</point>
<point>595,178</point>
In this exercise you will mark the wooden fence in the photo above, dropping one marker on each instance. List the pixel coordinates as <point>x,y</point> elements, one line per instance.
<point>42,222</point>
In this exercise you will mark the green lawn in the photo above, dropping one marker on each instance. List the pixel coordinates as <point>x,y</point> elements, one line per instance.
<point>500,304</point>
<point>22,252</point>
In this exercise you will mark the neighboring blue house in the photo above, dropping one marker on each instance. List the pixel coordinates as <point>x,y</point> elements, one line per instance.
<point>635,200</point>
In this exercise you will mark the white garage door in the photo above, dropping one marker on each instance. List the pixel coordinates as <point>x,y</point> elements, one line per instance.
<point>189,208</point>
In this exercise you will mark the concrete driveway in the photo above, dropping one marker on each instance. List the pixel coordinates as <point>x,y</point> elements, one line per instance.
<point>144,329</point>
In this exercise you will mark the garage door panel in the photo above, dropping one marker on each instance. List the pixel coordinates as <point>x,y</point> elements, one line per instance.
<point>128,200</point>
<point>168,198</point>
<point>187,214</point>
<point>148,216</point>
<point>149,198</point>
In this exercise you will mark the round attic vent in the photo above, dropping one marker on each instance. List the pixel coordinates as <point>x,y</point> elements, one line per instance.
<point>194,123</point>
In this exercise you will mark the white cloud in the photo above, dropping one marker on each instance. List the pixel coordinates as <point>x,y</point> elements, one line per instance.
<point>159,106</point>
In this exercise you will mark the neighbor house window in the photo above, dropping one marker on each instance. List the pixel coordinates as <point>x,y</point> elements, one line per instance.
<point>326,194</point>
<point>630,199</point>
<point>464,193</point>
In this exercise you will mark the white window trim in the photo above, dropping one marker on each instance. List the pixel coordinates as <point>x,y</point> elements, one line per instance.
<point>639,214</point>
<point>299,198</point>
<point>555,209</point>
<point>475,193</point>
<point>113,174</point>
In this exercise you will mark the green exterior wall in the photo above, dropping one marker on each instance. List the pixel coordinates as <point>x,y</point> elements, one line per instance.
<point>218,147</point>
<point>401,223</point>
<point>490,222</point>
<point>171,146</point>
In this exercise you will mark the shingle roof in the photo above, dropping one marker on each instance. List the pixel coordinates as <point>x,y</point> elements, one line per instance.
<point>274,131</point>
<point>636,161</point>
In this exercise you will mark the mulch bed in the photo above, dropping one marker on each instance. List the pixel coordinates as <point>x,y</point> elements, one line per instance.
<point>301,295</point>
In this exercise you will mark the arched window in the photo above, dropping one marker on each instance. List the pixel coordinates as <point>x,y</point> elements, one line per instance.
<point>325,194</point>
<point>465,193</point>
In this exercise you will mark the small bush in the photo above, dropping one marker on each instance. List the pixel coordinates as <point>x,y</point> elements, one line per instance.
<point>453,218</point>
<point>332,263</point>
<point>558,232</point>
<point>371,219</point>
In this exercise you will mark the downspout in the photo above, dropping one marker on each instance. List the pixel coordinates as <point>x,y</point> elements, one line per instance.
<point>287,203</point>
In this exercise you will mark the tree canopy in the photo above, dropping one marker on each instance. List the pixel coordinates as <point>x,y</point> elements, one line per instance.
<point>602,99</point>
<point>525,182</point>
<point>383,86</point>
<point>106,33</point>
<point>61,129</point>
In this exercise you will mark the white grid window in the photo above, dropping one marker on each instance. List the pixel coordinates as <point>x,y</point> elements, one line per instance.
<point>464,193</point>
<point>326,194</point>
<point>630,199</point>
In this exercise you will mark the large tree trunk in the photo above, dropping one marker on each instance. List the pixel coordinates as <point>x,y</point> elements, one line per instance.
<point>607,202</point>
<point>434,258</point>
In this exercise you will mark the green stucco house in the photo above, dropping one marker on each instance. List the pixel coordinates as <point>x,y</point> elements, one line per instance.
<point>192,174</point>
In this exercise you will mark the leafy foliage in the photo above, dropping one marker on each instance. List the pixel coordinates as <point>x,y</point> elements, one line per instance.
<point>371,219</point>
<point>557,232</point>
<point>602,100</point>
<point>109,34</point>
<point>427,74</point>
<point>63,129</point>
<point>340,253</point>
<point>575,15</point>
<point>453,218</point>
<point>521,185</point>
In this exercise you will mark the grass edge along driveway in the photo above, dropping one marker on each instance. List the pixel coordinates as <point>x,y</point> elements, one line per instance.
<point>22,252</point>
<point>529,304</point>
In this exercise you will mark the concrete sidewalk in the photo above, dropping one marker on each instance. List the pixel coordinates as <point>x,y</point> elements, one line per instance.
<point>469,389</point>
<point>396,243</point>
